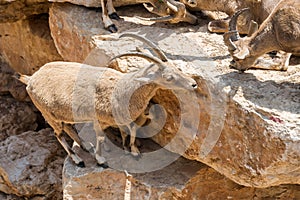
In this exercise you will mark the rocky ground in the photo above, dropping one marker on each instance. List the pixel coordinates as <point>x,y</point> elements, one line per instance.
<point>238,139</point>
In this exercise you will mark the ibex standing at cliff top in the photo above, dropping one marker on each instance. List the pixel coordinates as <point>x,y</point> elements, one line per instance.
<point>67,93</point>
<point>280,31</point>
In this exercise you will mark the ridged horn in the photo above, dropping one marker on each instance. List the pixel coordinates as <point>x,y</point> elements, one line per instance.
<point>233,24</point>
<point>148,57</point>
<point>253,27</point>
<point>227,40</point>
<point>172,7</point>
<point>157,19</point>
<point>153,46</point>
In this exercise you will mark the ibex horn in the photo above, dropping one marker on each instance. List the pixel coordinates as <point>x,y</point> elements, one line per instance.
<point>227,40</point>
<point>148,57</point>
<point>158,19</point>
<point>233,23</point>
<point>154,47</point>
<point>172,6</point>
<point>252,28</point>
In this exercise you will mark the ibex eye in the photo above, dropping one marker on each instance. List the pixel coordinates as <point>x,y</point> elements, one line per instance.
<point>169,78</point>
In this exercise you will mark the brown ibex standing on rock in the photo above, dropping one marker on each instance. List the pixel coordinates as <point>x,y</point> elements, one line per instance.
<point>280,31</point>
<point>67,93</point>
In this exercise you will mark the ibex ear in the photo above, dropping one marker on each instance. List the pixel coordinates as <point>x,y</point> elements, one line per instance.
<point>146,78</point>
<point>242,54</point>
<point>143,79</point>
<point>253,27</point>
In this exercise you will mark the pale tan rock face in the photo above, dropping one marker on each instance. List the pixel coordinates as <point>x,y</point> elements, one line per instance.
<point>26,44</point>
<point>184,180</point>
<point>71,28</point>
<point>247,124</point>
<point>243,118</point>
<point>31,167</point>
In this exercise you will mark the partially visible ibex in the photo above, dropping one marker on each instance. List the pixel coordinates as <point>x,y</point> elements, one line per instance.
<point>67,93</point>
<point>171,11</point>
<point>259,10</point>
<point>280,31</point>
<point>108,13</point>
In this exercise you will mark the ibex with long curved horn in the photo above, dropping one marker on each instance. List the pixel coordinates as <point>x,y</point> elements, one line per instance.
<point>67,93</point>
<point>280,31</point>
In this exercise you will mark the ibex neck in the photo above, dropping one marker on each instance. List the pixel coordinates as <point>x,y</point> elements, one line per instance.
<point>263,40</point>
<point>132,97</point>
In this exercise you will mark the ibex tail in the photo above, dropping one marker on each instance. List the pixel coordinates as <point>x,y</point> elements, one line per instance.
<point>23,78</point>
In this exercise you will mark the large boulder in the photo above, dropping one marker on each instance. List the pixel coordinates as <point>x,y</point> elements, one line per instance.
<point>31,165</point>
<point>13,10</point>
<point>26,44</point>
<point>184,179</point>
<point>242,118</point>
<point>15,117</point>
<point>74,29</point>
<point>71,28</point>
<point>10,85</point>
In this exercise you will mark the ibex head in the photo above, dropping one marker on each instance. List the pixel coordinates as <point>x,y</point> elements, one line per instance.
<point>162,71</point>
<point>237,47</point>
<point>162,74</point>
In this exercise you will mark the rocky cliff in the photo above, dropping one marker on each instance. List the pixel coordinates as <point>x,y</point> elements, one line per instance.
<point>236,137</point>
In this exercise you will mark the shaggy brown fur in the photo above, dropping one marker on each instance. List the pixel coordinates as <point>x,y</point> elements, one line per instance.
<point>280,31</point>
<point>67,93</point>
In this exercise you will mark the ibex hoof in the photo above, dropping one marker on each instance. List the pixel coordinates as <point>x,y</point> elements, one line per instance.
<point>100,159</point>
<point>114,16</point>
<point>112,28</point>
<point>81,164</point>
<point>136,156</point>
<point>78,161</point>
<point>135,152</point>
<point>103,165</point>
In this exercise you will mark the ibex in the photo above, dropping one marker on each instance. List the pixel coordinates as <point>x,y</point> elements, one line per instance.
<point>160,7</point>
<point>67,93</point>
<point>259,11</point>
<point>108,13</point>
<point>280,31</point>
<point>169,10</point>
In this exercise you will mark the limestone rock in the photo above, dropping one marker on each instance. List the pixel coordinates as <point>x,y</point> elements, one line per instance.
<point>31,165</point>
<point>184,179</point>
<point>12,10</point>
<point>76,28</point>
<point>243,118</point>
<point>26,45</point>
<point>71,28</point>
<point>15,117</point>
